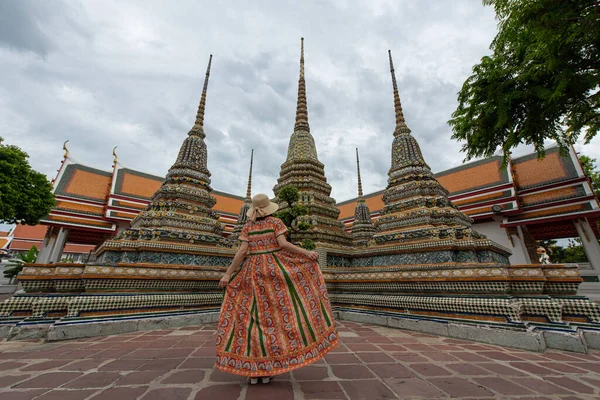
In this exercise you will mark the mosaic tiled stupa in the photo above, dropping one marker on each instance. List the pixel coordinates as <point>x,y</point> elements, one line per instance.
<point>363,228</point>
<point>303,170</point>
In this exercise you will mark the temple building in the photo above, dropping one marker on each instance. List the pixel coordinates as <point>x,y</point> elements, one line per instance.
<point>448,253</point>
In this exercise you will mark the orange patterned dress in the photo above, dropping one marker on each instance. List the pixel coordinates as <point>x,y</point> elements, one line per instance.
<point>276,314</point>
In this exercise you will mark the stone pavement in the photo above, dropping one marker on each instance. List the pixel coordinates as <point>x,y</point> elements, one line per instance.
<point>371,363</point>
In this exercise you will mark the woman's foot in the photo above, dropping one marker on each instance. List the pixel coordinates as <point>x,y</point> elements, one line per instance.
<point>266,379</point>
<point>252,381</point>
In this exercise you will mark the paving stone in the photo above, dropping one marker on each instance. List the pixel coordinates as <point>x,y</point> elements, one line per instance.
<point>139,378</point>
<point>82,365</point>
<point>571,384</point>
<point>439,356</point>
<point>9,380</point>
<point>171,393</point>
<point>351,372</point>
<point>66,395</point>
<point>466,356</point>
<point>467,369</point>
<point>217,392</point>
<point>541,386</point>
<point>458,387</point>
<point>357,347</point>
<point>6,366</point>
<point>413,387</point>
<point>501,369</point>
<point>321,390</point>
<point>163,364</point>
<point>198,362</point>
<point>409,357</point>
<point>499,355</point>
<point>562,367</point>
<point>311,373</point>
<point>50,380</point>
<point>22,394</point>
<point>391,371</point>
<point>430,370</point>
<point>369,358</point>
<point>341,359</point>
<point>392,348</point>
<point>533,368</point>
<point>46,365</point>
<point>94,380</point>
<point>367,390</point>
<point>280,390</point>
<point>188,376</point>
<point>220,376</point>
<point>124,393</point>
<point>123,365</point>
<point>503,386</point>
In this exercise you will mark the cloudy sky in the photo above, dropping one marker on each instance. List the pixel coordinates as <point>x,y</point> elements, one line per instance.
<point>130,73</point>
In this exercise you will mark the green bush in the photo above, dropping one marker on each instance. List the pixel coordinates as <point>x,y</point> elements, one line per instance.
<point>15,265</point>
<point>289,194</point>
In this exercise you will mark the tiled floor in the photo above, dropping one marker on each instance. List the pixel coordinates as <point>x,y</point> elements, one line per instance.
<point>371,363</point>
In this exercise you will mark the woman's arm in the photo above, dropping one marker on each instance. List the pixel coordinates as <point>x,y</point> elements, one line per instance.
<point>237,260</point>
<point>284,244</point>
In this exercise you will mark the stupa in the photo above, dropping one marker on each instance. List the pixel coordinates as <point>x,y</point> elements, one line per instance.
<point>243,215</point>
<point>303,170</point>
<point>363,228</point>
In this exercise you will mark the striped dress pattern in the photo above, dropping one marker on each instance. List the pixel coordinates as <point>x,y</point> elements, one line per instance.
<point>276,315</point>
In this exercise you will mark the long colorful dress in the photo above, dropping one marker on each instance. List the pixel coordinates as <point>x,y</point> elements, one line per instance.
<point>276,314</point>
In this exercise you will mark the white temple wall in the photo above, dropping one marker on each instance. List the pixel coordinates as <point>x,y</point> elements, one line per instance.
<point>494,232</point>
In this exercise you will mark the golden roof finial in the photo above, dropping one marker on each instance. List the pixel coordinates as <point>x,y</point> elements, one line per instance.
<point>360,191</point>
<point>115,156</point>
<point>397,105</point>
<point>65,149</point>
<point>202,105</point>
<point>248,190</point>
<point>301,106</point>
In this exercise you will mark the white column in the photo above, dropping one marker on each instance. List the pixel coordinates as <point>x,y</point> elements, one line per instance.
<point>590,243</point>
<point>521,238</point>
<point>47,246</point>
<point>59,246</point>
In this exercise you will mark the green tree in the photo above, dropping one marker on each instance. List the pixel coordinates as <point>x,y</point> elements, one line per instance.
<point>591,170</point>
<point>541,81</point>
<point>289,215</point>
<point>25,195</point>
<point>15,265</point>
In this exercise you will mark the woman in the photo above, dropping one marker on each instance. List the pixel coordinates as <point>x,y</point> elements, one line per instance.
<point>276,314</point>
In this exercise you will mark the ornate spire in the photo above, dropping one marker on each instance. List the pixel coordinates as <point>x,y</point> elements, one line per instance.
<point>401,126</point>
<point>301,106</point>
<point>360,191</point>
<point>115,157</point>
<point>65,149</point>
<point>199,124</point>
<point>248,190</point>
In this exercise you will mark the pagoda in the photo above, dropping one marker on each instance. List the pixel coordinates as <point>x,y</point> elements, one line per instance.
<point>181,209</point>
<point>363,228</point>
<point>243,215</point>
<point>303,170</point>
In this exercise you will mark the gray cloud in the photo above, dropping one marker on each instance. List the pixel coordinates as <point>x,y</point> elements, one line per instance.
<point>129,74</point>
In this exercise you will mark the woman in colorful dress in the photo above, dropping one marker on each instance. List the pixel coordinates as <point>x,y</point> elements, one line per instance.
<point>276,315</point>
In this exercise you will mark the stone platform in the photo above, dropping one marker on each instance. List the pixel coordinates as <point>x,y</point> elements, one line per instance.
<point>371,363</point>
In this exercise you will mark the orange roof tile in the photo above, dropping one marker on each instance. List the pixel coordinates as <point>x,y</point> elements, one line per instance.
<point>550,195</point>
<point>226,204</point>
<point>472,177</point>
<point>24,244</point>
<point>4,233</point>
<point>478,199</point>
<point>375,203</point>
<point>3,242</point>
<point>30,232</point>
<point>92,209</point>
<point>138,186</point>
<point>87,184</point>
<point>535,171</point>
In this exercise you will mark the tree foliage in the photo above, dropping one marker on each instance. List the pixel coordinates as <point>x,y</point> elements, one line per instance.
<point>15,265</point>
<point>591,170</point>
<point>289,215</point>
<point>25,195</point>
<point>541,81</point>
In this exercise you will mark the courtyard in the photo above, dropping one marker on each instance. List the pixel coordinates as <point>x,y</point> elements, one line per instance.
<point>371,363</point>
